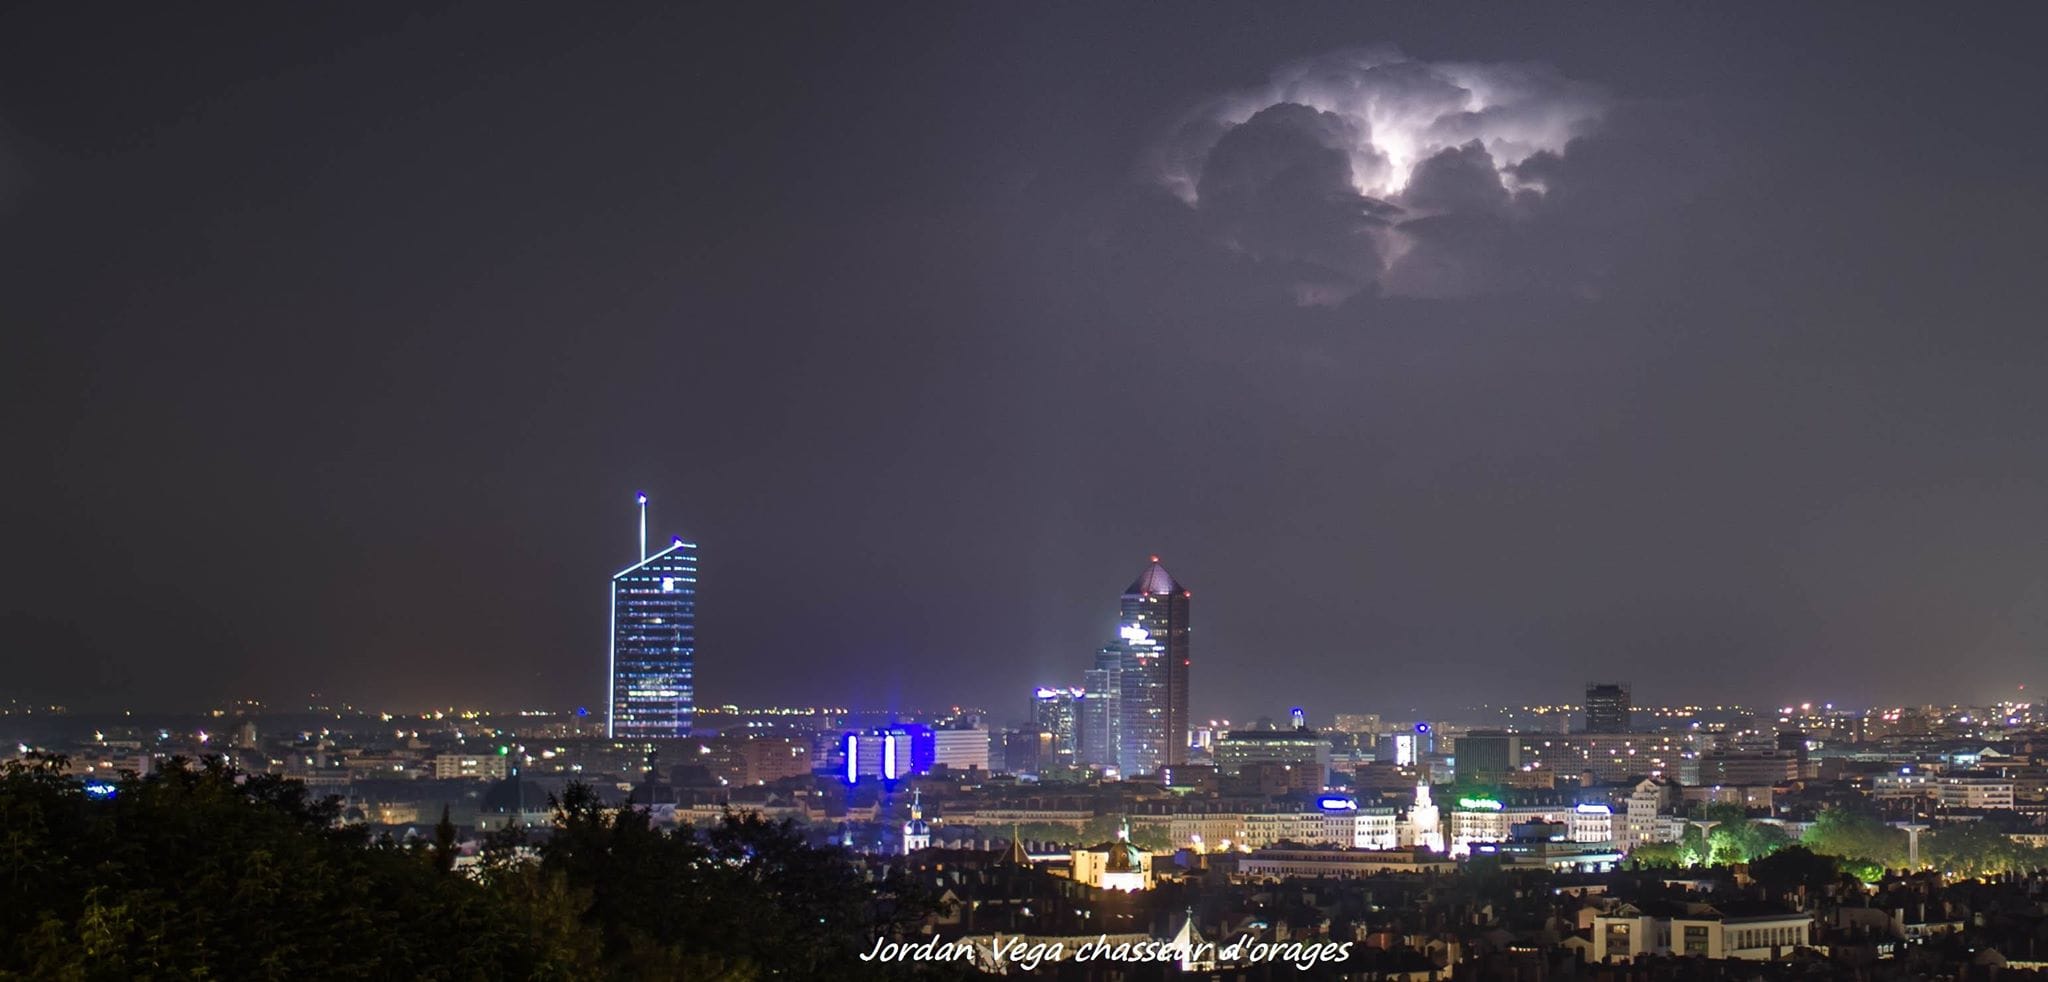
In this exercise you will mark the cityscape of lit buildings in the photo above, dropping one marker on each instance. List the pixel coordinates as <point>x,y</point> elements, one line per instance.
<point>1108,786</point>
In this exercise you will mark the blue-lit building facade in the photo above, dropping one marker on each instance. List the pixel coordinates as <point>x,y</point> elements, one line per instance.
<point>888,753</point>
<point>654,646</point>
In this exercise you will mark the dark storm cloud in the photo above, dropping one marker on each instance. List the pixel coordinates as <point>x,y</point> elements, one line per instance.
<point>1278,186</point>
<point>1368,171</point>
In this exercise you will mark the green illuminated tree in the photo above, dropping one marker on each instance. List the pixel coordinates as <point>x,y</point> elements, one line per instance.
<point>1856,835</point>
<point>1655,854</point>
<point>1977,849</point>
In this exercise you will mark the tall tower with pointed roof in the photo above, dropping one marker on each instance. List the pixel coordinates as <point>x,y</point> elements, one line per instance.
<point>651,668</point>
<point>1153,631</point>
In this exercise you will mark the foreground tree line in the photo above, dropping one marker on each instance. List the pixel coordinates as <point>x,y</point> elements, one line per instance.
<point>1858,843</point>
<point>198,871</point>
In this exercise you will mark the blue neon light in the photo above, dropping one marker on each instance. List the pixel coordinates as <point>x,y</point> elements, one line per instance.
<point>852,758</point>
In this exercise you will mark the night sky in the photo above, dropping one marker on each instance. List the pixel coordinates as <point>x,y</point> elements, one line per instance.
<point>337,339</point>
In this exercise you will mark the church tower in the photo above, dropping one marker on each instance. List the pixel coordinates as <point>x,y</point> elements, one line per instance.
<point>917,833</point>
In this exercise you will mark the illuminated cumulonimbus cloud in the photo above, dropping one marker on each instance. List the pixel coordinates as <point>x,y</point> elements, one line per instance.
<point>1370,170</point>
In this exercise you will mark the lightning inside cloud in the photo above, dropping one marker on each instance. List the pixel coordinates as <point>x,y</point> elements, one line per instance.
<point>1367,170</point>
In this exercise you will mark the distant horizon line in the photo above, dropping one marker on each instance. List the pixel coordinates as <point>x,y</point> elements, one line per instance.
<point>242,707</point>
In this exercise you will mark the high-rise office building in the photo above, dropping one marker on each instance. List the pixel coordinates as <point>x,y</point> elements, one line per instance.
<point>1153,632</point>
<point>653,654</point>
<point>1057,711</point>
<point>1100,715</point>
<point>1607,707</point>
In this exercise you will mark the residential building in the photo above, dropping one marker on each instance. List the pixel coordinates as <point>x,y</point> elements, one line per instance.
<point>1975,789</point>
<point>491,766</point>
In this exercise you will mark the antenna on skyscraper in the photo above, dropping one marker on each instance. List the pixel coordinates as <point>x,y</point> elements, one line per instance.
<point>643,526</point>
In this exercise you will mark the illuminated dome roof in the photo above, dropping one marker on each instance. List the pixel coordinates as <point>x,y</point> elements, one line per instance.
<point>1154,581</point>
<point>1123,856</point>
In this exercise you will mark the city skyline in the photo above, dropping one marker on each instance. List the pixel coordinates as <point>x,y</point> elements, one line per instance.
<point>1609,440</point>
<point>1690,347</point>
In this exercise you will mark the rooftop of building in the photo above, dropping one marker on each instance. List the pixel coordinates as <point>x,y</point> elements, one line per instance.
<point>1154,581</point>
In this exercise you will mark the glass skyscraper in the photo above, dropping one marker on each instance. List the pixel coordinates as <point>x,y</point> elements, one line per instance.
<point>654,643</point>
<point>1101,715</point>
<point>1153,635</point>
<point>1057,711</point>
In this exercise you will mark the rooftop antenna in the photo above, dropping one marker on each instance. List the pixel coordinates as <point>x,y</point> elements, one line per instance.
<point>643,526</point>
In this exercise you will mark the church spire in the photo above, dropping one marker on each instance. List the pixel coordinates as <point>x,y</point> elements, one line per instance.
<point>1017,856</point>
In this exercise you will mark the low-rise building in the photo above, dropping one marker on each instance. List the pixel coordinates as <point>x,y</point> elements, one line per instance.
<point>476,767</point>
<point>1748,767</point>
<point>1114,865</point>
<point>1280,862</point>
<point>1751,931</point>
<point>1975,789</point>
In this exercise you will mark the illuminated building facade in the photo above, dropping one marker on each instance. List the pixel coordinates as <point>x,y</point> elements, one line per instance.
<point>1609,757</point>
<point>890,753</point>
<point>917,833</point>
<point>1057,711</point>
<point>1482,820</point>
<point>1153,632</point>
<point>653,657</point>
<point>1424,828</point>
<point>961,748</point>
<point>1114,865</point>
<point>1304,748</point>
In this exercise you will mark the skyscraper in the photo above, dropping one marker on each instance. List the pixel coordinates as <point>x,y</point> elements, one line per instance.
<point>653,652</point>
<point>1607,707</point>
<point>1153,632</point>
<point>1101,710</point>
<point>1057,711</point>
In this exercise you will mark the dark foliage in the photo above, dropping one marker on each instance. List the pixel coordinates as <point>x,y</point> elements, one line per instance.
<point>200,872</point>
<point>1793,867</point>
